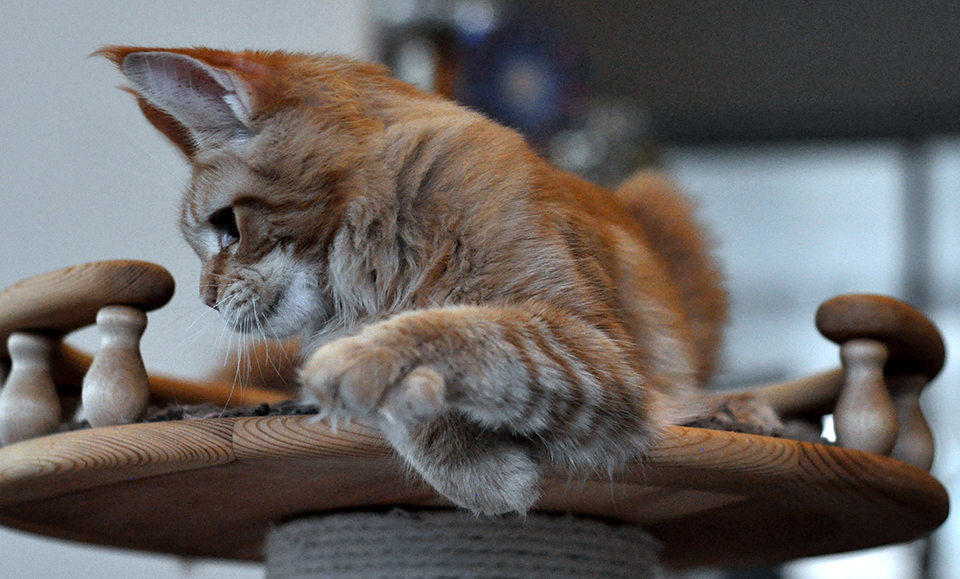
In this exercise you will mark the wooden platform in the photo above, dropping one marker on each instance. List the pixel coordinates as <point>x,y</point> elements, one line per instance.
<point>211,488</point>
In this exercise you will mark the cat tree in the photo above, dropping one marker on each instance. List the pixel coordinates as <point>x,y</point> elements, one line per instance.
<point>317,502</point>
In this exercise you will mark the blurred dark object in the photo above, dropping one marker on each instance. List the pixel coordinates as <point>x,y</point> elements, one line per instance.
<point>747,70</point>
<point>524,69</point>
<point>527,73</point>
<point>419,49</point>
<point>607,143</point>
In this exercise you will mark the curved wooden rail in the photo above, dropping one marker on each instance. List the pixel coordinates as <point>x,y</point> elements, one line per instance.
<point>890,352</point>
<point>211,488</point>
<point>62,301</point>
<point>113,294</point>
<point>913,342</point>
<point>71,364</point>
<point>885,344</point>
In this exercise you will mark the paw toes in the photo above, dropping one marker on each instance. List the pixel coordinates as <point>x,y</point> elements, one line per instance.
<point>319,380</point>
<point>364,381</point>
<point>349,376</point>
<point>418,397</point>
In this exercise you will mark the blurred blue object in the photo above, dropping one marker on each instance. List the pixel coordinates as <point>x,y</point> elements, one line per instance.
<point>526,73</point>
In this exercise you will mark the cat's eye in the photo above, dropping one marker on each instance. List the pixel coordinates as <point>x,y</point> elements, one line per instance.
<point>225,222</point>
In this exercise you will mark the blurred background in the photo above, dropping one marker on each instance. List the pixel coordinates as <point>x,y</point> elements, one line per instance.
<point>821,142</point>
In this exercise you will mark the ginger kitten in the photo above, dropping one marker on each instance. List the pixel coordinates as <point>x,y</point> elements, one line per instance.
<point>491,314</point>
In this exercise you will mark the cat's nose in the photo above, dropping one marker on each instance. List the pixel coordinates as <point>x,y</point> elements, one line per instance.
<point>210,298</point>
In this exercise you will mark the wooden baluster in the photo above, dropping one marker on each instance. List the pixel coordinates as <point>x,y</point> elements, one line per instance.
<point>914,354</point>
<point>116,389</point>
<point>865,418</point>
<point>915,443</point>
<point>29,405</point>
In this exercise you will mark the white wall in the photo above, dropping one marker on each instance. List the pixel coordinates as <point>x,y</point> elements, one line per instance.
<point>795,225</point>
<point>84,177</point>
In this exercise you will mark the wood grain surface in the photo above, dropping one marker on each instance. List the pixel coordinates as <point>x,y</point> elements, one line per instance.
<point>67,299</point>
<point>914,342</point>
<point>211,488</point>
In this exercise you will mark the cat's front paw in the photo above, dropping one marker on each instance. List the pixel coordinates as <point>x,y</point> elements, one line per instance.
<point>362,376</point>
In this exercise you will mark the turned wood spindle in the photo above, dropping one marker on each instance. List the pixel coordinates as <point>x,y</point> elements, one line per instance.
<point>915,444</point>
<point>29,405</point>
<point>865,418</point>
<point>68,299</point>
<point>915,354</point>
<point>116,389</point>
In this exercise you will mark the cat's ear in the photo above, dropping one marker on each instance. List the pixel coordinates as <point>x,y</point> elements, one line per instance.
<point>195,104</point>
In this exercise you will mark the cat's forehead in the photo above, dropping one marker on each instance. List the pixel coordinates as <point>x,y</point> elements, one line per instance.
<point>218,178</point>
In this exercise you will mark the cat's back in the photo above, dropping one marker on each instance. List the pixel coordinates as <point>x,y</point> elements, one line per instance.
<point>463,183</point>
<point>651,249</point>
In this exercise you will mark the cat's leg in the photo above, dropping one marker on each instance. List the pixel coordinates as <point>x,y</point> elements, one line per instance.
<point>540,384</point>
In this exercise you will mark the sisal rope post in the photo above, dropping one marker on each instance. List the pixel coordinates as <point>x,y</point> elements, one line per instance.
<point>454,544</point>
